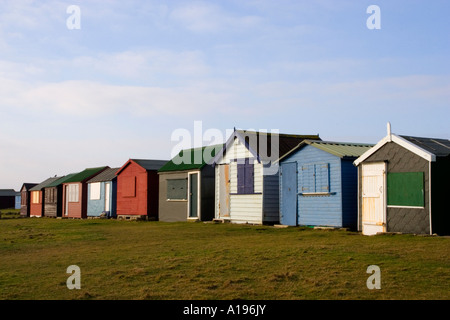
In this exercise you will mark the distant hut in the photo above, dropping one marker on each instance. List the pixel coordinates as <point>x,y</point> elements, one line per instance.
<point>37,193</point>
<point>25,199</point>
<point>75,192</point>
<point>53,199</point>
<point>7,198</point>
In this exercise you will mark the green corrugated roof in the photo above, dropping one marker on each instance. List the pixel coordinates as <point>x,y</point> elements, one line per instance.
<point>60,180</point>
<point>80,176</point>
<point>342,149</point>
<point>187,159</point>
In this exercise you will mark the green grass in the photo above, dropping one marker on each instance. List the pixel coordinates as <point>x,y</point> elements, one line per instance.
<point>9,213</point>
<point>184,261</point>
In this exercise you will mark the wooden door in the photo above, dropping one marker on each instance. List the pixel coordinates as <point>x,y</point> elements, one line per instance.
<point>224,191</point>
<point>289,213</point>
<point>193,186</point>
<point>373,198</point>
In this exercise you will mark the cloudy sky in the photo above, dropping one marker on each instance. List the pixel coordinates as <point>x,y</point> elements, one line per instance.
<point>136,71</point>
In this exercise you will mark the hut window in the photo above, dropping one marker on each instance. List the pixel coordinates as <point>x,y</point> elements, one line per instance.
<point>50,195</point>
<point>315,178</point>
<point>95,191</point>
<point>177,189</point>
<point>405,189</point>
<point>245,177</point>
<point>35,197</point>
<point>73,192</point>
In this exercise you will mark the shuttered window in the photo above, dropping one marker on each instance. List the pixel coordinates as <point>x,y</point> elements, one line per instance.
<point>245,177</point>
<point>50,195</point>
<point>129,186</point>
<point>73,192</point>
<point>315,178</point>
<point>405,189</point>
<point>177,189</point>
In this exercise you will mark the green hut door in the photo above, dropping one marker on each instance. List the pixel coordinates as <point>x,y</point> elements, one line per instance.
<point>193,195</point>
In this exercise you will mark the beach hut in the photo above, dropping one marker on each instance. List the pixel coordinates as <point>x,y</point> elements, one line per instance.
<point>17,200</point>
<point>138,189</point>
<point>7,198</point>
<point>37,194</point>
<point>247,181</point>
<point>186,186</point>
<point>318,184</point>
<point>403,183</point>
<point>75,193</point>
<point>53,195</point>
<point>25,199</point>
<point>102,194</point>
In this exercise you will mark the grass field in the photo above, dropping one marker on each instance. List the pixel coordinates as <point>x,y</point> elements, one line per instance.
<point>184,261</point>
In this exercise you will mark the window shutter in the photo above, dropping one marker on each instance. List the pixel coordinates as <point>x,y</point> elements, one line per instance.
<point>249,178</point>
<point>307,177</point>
<point>322,177</point>
<point>240,178</point>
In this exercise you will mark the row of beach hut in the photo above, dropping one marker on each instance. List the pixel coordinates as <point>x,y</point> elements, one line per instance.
<point>396,185</point>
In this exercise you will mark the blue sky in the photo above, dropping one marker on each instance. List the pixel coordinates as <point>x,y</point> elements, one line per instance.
<point>137,71</point>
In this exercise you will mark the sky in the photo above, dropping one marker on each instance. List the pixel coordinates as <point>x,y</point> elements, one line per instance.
<point>119,79</point>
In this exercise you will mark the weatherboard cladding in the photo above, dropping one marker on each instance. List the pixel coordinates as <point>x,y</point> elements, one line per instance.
<point>25,199</point>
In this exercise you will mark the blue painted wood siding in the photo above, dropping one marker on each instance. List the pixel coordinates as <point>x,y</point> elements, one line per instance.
<point>96,207</point>
<point>318,210</point>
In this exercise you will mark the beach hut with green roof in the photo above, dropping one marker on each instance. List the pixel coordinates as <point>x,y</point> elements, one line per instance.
<point>75,193</point>
<point>53,197</point>
<point>186,186</point>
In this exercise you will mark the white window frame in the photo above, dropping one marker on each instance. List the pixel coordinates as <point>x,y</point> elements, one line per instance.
<point>74,190</point>
<point>95,191</point>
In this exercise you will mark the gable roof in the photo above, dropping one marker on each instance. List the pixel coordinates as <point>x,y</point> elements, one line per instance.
<point>260,143</point>
<point>343,150</point>
<point>28,186</point>
<point>147,164</point>
<point>427,148</point>
<point>107,175</point>
<point>85,174</point>
<point>178,163</point>
<point>44,184</point>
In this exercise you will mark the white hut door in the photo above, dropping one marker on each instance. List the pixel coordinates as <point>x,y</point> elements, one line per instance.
<point>224,191</point>
<point>373,198</point>
<point>107,196</point>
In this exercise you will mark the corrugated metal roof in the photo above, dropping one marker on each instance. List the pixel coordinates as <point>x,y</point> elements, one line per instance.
<point>44,184</point>
<point>341,149</point>
<point>85,174</point>
<point>107,175</point>
<point>438,147</point>
<point>178,162</point>
<point>60,180</point>
<point>149,164</point>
